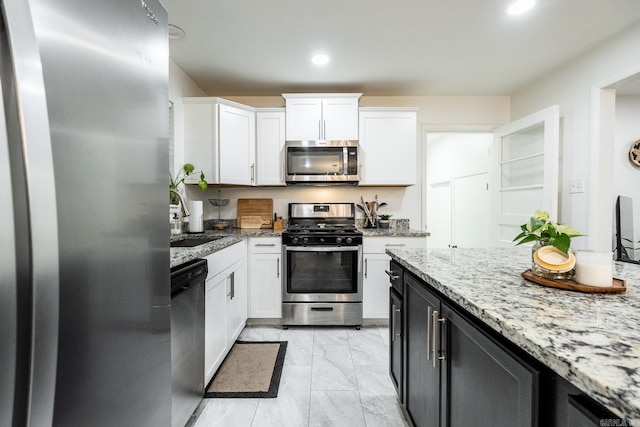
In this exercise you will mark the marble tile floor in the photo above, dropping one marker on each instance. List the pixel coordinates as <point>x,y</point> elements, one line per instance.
<point>332,376</point>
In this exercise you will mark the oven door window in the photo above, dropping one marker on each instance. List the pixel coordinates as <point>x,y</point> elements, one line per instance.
<point>323,272</point>
<point>315,161</point>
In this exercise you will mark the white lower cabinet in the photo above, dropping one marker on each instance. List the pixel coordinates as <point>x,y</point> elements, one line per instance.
<point>225,304</point>
<point>375,282</point>
<point>265,277</point>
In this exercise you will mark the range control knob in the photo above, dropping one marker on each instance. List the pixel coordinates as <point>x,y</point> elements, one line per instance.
<point>294,240</point>
<point>349,240</point>
<point>305,240</point>
<point>321,240</point>
<point>338,240</point>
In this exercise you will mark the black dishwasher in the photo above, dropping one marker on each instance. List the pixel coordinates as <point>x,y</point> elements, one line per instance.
<point>187,339</point>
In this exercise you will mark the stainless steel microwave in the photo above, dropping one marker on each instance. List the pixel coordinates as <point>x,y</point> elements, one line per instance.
<point>321,162</point>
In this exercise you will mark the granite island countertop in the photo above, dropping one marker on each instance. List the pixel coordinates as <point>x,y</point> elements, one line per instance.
<point>591,340</point>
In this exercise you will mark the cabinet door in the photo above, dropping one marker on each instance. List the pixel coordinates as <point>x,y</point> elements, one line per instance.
<point>215,331</point>
<point>388,147</point>
<point>340,118</point>
<point>483,381</point>
<point>237,145</point>
<point>422,386</point>
<point>375,286</point>
<point>303,119</point>
<point>396,337</point>
<point>270,130</point>
<point>266,286</point>
<point>236,301</point>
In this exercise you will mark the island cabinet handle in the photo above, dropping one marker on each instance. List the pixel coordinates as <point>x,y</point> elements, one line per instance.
<point>393,322</point>
<point>392,275</point>
<point>397,312</point>
<point>429,331</point>
<point>436,320</point>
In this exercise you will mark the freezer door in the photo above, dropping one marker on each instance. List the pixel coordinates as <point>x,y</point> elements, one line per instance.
<point>28,222</point>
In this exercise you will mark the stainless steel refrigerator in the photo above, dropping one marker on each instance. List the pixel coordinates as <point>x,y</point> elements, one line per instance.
<point>84,255</point>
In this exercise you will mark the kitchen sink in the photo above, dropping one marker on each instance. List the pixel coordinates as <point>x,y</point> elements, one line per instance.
<point>190,242</point>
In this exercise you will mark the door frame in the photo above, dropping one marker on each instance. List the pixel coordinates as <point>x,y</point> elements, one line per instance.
<point>424,131</point>
<point>600,180</point>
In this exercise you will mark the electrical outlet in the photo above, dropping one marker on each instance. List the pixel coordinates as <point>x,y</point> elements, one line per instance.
<point>576,186</point>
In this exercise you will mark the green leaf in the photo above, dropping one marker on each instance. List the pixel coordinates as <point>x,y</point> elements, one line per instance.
<point>536,223</point>
<point>562,242</point>
<point>188,168</point>
<point>529,238</point>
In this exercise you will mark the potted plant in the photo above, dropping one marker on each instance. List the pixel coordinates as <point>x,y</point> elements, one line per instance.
<point>384,220</point>
<point>174,182</point>
<point>544,232</point>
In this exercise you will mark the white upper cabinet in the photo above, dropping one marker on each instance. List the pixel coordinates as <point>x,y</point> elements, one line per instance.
<point>220,140</point>
<point>270,137</point>
<point>388,149</point>
<point>326,116</point>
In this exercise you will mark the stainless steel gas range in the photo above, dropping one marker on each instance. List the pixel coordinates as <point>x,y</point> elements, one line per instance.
<point>322,253</point>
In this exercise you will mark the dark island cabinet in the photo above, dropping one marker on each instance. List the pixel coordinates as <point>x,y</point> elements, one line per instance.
<point>456,374</point>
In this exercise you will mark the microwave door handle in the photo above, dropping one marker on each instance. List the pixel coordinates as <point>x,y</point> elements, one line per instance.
<point>345,161</point>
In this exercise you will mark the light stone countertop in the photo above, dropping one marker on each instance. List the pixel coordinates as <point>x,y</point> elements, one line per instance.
<point>231,237</point>
<point>591,340</point>
<point>234,235</point>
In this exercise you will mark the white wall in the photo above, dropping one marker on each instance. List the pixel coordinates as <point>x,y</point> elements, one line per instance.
<point>179,85</point>
<point>570,87</point>
<point>626,176</point>
<point>441,112</point>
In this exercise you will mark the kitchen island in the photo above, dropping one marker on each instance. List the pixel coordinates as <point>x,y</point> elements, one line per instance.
<point>590,340</point>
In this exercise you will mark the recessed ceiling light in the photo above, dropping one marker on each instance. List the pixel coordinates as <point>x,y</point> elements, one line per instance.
<point>520,6</point>
<point>320,59</point>
<point>176,32</point>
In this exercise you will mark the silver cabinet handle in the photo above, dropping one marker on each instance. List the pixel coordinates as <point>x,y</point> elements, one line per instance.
<point>264,244</point>
<point>366,268</point>
<point>393,322</point>
<point>232,292</point>
<point>397,312</point>
<point>436,320</point>
<point>320,129</point>
<point>395,244</point>
<point>253,169</point>
<point>278,269</point>
<point>429,331</point>
<point>392,275</point>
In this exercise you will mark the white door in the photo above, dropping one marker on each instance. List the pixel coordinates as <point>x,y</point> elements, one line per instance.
<point>439,221</point>
<point>470,206</point>
<point>524,173</point>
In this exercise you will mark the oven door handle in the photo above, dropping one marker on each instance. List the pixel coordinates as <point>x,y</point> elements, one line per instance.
<point>322,248</point>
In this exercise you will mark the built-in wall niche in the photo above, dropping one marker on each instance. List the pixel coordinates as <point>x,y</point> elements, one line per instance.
<point>626,175</point>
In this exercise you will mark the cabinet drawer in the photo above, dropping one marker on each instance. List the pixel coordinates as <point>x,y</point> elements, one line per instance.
<point>378,245</point>
<point>265,245</point>
<point>218,261</point>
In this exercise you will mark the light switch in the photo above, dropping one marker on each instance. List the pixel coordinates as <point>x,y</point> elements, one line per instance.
<point>576,186</point>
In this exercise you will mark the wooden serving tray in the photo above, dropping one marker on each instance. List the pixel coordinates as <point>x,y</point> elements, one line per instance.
<point>571,285</point>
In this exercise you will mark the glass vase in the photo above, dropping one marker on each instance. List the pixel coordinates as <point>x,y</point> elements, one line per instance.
<point>543,272</point>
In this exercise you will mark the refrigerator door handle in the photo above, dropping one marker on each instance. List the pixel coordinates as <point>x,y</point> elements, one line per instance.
<point>34,140</point>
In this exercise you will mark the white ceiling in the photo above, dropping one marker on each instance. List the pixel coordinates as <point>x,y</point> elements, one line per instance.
<point>385,48</point>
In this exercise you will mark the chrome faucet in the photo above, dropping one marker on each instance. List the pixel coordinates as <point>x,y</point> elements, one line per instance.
<point>185,210</point>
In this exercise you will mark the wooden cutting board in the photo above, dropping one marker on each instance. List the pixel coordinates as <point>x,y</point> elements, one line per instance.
<point>255,213</point>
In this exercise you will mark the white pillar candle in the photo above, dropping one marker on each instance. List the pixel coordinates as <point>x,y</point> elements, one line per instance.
<point>594,268</point>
